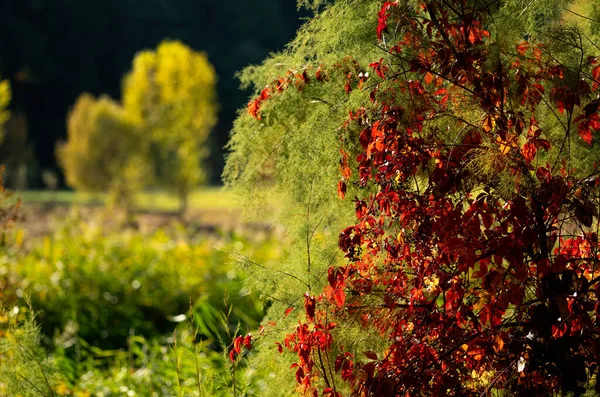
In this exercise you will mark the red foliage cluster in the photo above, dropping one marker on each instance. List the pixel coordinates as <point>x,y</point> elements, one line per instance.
<point>475,289</point>
<point>254,105</point>
<point>238,343</point>
<point>354,75</point>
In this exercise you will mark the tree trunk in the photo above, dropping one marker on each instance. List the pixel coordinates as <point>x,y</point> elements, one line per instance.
<point>183,203</point>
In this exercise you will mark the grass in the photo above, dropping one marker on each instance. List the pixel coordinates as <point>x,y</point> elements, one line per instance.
<point>213,197</point>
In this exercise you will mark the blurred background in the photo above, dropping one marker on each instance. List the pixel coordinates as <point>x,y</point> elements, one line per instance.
<point>52,51</point>
<point>121,256</point>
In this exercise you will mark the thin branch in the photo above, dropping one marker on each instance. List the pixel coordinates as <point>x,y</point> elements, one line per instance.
<point>31,384</point>
<point>581,16</point>
<point>251,262</point>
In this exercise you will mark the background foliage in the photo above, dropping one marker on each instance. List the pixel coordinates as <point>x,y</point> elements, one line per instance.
<point>128,311</point>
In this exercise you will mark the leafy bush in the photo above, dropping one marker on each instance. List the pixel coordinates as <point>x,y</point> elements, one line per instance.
<point>105,288</point>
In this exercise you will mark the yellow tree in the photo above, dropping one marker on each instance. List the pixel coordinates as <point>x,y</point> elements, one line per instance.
<point>170,95</point>
<point>4,101</point>
<point>104,151</point>
<point>8,212</point>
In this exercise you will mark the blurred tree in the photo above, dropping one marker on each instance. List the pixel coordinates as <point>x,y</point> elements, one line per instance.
<point>4,101</point>
<point>8,211</point>
<point>170,95</point>
<point>104,151</point>
<point>16,152</point>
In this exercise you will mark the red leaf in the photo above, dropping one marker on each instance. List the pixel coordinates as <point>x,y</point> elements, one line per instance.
<point>265,94</point>
<point>522,48</point>
<point>487,220</point>
<point>585,132</point>
<point>371,355</point>
<point>348,86</point>
<point>299,375</point>
<point>529,150</point>
<point>543,174</point>
<point>339,296</point>
<point>319,75</point>
<point>558,331</point>
<point>382,17</point>
<point>591,108</point>
<point>237,344</point>
<point>341,189</point>
<point>253,108</point>
<point>379,68</point>
<point>560,264</point>
<point>455,243</point>
<point>543,144</point>
<point>309,306</point>
<point>288,311</point>
<point>596,73</point>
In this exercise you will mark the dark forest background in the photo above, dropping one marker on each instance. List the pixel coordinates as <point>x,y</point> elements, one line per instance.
<point>52,50</point>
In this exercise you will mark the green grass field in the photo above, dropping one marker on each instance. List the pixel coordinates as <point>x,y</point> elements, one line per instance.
<point>200,199</point>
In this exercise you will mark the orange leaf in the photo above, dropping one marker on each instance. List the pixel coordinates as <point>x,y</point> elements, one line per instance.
<point>499,343</point>
<point>428,78</point>
<point>488,123</point>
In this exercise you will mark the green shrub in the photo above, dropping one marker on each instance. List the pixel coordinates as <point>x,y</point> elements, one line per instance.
<point>105,288</point>
<point>180,367</point>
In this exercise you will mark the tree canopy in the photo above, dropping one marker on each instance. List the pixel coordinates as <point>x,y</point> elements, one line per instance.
<point>463,132</point>
<point>104,151</point>
<point>170,95</point>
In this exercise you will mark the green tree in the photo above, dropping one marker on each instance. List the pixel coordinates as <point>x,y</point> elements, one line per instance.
<point>103,151</point>
<point>170,95</point>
